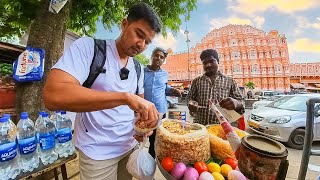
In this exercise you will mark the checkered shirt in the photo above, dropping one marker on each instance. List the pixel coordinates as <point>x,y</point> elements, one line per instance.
<point>202,89</point>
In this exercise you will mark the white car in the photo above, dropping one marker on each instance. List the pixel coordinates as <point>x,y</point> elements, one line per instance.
<point>172,101</point>
<point>266,101</point>
<point>285,120</point>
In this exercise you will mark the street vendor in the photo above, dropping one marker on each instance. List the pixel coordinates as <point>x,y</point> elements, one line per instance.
<point>104,131</point>
<point>156,86</point>
<point>223,90</point>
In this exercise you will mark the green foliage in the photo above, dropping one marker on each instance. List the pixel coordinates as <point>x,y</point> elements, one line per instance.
<point>142,59</point>
<point>16,15</point>
<point>250,85</point>
<point>6,69</point>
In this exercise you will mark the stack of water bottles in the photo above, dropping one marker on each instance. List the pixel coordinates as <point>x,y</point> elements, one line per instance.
<point>21,146</point>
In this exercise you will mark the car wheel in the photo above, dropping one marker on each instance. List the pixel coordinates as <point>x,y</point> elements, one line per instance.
<point>296,139</point>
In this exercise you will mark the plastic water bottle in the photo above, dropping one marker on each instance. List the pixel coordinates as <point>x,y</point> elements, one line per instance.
<point>10,120</point>
<point>64,135</point>
<point>29,159</point>
<point>46,137</point>
<point>9,166</point>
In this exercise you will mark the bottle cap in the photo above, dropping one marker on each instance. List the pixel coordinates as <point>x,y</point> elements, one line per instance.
<point>45,114</point>
<point>24,115</point>
<point>4,119</point>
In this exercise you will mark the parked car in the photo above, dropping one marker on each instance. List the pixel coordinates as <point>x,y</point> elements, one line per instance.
<point>266,101</point>
<point>285,120</point>
<point>264,94</point>
<point>172,101</point>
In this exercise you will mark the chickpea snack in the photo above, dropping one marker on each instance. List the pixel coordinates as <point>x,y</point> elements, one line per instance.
<point>141,127</point>
<point>187,144</point>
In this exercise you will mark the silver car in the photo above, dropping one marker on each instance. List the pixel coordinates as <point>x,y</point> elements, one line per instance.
<point>266,101</point>
<point>285,120</point>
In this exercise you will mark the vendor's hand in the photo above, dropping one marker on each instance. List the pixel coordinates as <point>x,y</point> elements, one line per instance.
<point>177,92</point>
<point>140,138</point>
<point>193,106</point>
<point>146,109</point>
<point>229,103</point>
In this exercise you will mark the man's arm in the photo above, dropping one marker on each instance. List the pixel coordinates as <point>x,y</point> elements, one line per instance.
<point>236,94</point>
<point>63,92</point>
<point>191,97</point>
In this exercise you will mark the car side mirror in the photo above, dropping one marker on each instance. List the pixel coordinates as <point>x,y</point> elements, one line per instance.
<point>317,110</point>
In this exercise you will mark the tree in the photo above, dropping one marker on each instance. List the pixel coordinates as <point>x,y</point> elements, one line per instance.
<point>47,30</point>
<point>250,85</point>
<point>142,59</point>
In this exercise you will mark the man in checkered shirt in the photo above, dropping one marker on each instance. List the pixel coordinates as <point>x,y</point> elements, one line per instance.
<point>223,90</point>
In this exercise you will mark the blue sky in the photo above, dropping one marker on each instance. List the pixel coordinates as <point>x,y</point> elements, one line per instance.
<point>299,20</point>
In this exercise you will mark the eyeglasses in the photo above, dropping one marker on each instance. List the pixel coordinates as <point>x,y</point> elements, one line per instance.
<point>124,73</point>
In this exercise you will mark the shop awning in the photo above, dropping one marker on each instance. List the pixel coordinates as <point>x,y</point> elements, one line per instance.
<point>297,86</point>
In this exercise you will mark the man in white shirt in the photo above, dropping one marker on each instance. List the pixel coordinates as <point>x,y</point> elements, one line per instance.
<point>104,132</point>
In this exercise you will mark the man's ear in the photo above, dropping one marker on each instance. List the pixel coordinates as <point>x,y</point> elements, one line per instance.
<point>124,23</point>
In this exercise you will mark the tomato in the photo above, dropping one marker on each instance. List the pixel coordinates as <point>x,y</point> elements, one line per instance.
<point>232,162</point>
<point>200,167</point>
<point>167,164</point>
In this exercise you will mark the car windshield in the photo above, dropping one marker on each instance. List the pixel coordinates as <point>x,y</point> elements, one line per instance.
<point>292,103</point>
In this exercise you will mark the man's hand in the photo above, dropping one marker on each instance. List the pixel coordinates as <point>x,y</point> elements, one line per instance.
<point>146,109</point>
<point>176,92</point>
<point>193,106</point>
<point>229,103</point>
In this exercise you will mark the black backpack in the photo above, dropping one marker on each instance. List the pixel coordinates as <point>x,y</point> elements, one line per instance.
<point>98,61</point>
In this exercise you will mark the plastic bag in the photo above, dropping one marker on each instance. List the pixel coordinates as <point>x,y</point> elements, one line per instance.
<point>141,164</point>
<point>219,145</point>
<point>187,145</point>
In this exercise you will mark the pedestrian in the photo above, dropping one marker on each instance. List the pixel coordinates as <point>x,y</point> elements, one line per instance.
<point>156,86</point>
<point>223,90</point>
<point>104,130</point>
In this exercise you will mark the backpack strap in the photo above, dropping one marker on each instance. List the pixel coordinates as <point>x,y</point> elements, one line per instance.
<point>98,61</point>
<point>137,67</point>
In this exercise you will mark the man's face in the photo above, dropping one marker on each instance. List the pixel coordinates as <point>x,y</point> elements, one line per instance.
<point>210,65</point>
<point>158,58</point>
<point>136,36</point>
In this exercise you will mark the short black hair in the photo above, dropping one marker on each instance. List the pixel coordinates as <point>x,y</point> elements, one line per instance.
<point>165,53</point>
<point>208,53</point>
<point>147,13</point>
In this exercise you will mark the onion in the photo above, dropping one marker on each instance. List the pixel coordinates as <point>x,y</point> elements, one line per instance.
<point>236,175</point>
<point>206,176</point>
<point>191,174</point>
<point>178,170</point>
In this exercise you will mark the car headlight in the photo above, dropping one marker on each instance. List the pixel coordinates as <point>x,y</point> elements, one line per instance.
<point>280,120</point>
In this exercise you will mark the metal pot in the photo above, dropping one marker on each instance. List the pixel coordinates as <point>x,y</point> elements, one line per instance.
<point>261,158</point>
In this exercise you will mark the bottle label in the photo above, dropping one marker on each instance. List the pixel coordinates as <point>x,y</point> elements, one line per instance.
<point>47,141</point>
<point>8,151</point>
<point>27,146</point>
<point>64,135</point>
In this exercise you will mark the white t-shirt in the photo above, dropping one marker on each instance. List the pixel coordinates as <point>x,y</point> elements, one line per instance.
<point>107,133</point>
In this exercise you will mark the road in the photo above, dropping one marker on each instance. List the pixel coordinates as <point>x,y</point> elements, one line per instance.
<point>294,155</point>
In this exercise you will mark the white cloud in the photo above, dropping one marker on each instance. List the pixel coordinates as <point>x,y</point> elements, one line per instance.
<point>206,1</point>
<point>304,45</point>
<point>251,7</point>
<point>257,21</point>
<point>166,43</point>
<point>304,23</point>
